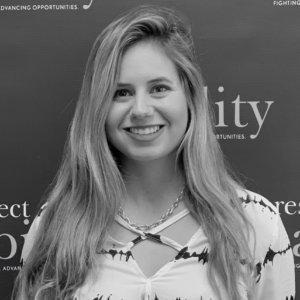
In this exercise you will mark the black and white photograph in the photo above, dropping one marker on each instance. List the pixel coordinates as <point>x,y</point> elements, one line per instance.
<point>150,150</point>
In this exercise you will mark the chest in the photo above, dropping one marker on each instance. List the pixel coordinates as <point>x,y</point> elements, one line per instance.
<point>147,269</point>
<point>120,279</point>
<point>153,253</point>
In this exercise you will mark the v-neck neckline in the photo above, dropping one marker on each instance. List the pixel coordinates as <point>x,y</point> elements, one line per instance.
<point>164,267</point>
<point>126,246</point>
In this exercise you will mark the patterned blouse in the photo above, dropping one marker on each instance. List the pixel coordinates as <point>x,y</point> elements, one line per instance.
<point>117,276</point>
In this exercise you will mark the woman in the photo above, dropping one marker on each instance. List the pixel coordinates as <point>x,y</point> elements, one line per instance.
<point>144,206</point>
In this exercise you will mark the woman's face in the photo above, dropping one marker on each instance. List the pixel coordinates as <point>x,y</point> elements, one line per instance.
<point>149,114</point>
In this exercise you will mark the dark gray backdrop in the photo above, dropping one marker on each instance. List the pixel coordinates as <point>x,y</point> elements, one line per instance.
<point>249,53</point>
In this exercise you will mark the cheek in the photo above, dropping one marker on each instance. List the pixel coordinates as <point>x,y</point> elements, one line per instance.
<point>114,121</point>
<point>180,113</point>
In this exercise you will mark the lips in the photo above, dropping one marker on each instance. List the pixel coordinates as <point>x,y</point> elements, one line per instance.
<point>144,130</point>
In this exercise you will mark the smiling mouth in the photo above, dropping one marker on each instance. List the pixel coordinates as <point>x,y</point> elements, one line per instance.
<point>144,130</point>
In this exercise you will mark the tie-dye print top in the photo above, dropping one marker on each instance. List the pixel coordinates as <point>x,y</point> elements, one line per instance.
<point>118,276</point>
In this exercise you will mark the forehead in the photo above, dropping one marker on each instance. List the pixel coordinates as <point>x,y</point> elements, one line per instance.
<point>145,61</point>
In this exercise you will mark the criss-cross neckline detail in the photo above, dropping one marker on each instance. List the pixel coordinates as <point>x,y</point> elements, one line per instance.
<point>126,247</point>
<point>153,233</point>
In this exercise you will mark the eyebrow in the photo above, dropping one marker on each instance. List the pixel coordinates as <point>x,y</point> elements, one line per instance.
<point>155,80</point>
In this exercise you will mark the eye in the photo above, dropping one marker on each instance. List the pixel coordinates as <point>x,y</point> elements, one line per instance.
<point>121,93</point>
<point>160,89</point>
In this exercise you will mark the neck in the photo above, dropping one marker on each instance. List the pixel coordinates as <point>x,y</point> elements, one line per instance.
<point>151,186</point>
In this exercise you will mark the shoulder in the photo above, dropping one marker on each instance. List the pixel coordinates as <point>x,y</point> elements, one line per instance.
<point>273,252</point>
<point>32,233</point>
<point>257,205</point>
<point>263,215</point>
<point>269,230</point>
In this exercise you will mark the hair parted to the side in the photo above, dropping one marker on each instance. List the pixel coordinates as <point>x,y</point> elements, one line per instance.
<point>89,184</point>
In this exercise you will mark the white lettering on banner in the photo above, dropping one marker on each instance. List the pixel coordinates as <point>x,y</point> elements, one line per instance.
<point>89,5</point>
<point>237,111</point>
<point>15,7</point>
<point>11,242</point>
<point>257,114</point>
<point>221,114</point>
<point>13,246</point>
<point>15,211</point>
<point>35,7</point>
<point>286,2</point>
<point>296,248</point>
<point>290,207</point>
<point>11,268</point>
<point>230,136</point>
<point>260,117</point>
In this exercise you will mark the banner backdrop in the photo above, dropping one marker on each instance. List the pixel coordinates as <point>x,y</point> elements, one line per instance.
<point>249,54</point>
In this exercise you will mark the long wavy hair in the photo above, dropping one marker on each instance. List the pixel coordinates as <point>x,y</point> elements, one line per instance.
<point>87,189</point>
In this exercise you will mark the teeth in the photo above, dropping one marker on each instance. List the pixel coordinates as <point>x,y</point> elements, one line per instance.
<point>144,131</point>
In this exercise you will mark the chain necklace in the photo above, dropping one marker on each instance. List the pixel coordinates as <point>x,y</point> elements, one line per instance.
<point>162,219</point>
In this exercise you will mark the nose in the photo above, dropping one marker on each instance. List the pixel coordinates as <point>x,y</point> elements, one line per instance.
<point>141,108</point>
